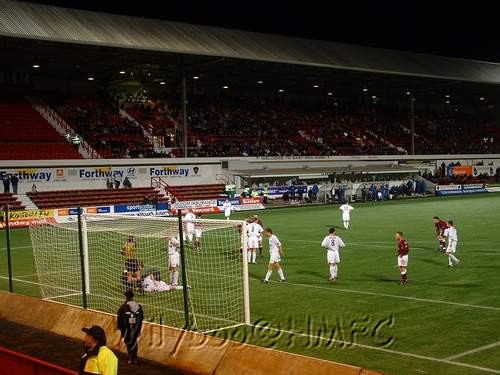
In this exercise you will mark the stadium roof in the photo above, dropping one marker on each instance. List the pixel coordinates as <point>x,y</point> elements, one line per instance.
<point>63,25</point>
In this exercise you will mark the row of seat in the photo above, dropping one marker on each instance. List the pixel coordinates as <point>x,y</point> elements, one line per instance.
<point>197,192</point>
<point>74,193</point>
<point>11,200</point>
<point>89,203</point>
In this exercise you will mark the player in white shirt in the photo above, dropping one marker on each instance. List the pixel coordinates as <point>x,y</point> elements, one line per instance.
<point>451,233</point>
<point>333,243</point>
<point>173,259</point>
<point>254,231</point>
<point>228,207</point>
<point>275,252</point>
<point>188,218</point>
<point>197,236</point>
<point>153,283</point>
<point>346,209</point>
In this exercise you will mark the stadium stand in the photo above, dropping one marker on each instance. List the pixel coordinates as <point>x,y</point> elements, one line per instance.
<point>93,197</point>
<point>26,135</point>
<point>197,192</point>
<point>11,200</point>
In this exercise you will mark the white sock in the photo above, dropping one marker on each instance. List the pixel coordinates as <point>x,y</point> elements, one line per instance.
<point>254,256</point>
<point>268,275</point>
<point>454,258</point>
<point>171,277</point>
<point>450,263</point>
<point>249,254</point>
<point>280,272</point>
<point>403,272</point>
<point>332,271</point>
<point>346,225</point>
<point>335,269</point>
<point>176,278</point>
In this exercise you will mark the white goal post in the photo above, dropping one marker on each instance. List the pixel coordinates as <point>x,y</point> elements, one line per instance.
<point>107,254</point>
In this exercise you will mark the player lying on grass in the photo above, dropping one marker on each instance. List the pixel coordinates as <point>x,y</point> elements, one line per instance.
<point>275,252</point>
<point>153,283</point>
<point>333,243</point>
<point>451,233</point>
<point>440,228</point>
<point>403,250</point>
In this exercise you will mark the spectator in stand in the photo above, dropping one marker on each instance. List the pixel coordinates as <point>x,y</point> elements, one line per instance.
<point>14,180</point>
<point>33,188</point>
<point>117,182</point>
<point>146,200</point>
<point>126,183</point>
<point>109,183</point>
<point>6,183</point>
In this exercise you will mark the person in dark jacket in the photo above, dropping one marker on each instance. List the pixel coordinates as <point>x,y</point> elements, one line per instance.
<point>129,322</point>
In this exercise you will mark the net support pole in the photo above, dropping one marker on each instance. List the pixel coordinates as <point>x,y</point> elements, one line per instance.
<point>183,271</point>
<point>246,287</point>
<point>84,258</point>
<point>7,238</point>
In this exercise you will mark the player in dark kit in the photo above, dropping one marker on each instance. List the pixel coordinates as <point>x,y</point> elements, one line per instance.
<point>403,250</point>
<point>441,226</point>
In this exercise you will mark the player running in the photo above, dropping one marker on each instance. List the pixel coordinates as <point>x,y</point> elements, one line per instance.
<point>346,209</point>
<point>254,231</point>
<point>228,208</point>
<point>403,250</point>
<point>333,243</point>
<point>451,233</point>
<point>173,260</point>
<point>275,252</point>
<point>441,226</point>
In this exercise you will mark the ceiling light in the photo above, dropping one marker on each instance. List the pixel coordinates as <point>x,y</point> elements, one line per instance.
<point>196,77</point>
<point>447,96</point>
<point>316,86</point>
<point>330,93</point>
<point>447,102</point>
<point>260,82</point>
<point>36,66</point>
<point>281,90</point>
<point>122,71</point>
<point>374,97</point>
<point>365,89</point>
<point>225,87</point>
<point>162,82</point>
<point>481,98</point>
<point>90,78</point>
<point>408,93</point>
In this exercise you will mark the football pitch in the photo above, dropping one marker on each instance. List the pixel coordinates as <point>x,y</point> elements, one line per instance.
<point>445,321</point>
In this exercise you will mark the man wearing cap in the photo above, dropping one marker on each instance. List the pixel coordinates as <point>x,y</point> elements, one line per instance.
<point>129,322</point>
<point>98,358</point>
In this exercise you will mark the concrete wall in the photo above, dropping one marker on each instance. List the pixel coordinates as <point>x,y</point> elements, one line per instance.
<point>187,351</point>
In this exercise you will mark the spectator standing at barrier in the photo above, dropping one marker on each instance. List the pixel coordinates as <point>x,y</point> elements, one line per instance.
<point>6,184</point>
<point>117,182</point>
<point>315,190</point>
<point>109,183</point>
<point>98,358</point>
<point>14,180</point>
<point>129,322</point>
<point>127,184</point>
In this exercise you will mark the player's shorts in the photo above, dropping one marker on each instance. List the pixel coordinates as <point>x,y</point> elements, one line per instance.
<point>253,242</point>
<point>452,247</point>
<point>190,228</point>
<point>132,265</point>
<point>332,256</point>
<point>403,261</point>
<point>346,217</point>
<point>197,233</point>
<point>227,213</point>
<point>274,257</point>
<point>173,259</point>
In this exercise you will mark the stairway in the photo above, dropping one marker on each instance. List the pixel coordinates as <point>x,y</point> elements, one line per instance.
<point>26,202</point>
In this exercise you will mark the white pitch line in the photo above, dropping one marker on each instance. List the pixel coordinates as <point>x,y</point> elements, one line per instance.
<point>406,354</point>
<point>335,289</point>
<point>16,247</point>
<point>472,351</point>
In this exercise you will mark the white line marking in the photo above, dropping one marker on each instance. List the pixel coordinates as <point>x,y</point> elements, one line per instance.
<point>472,351</point>
<point>406,354</point>
<point>335,289</point>
<point>16,247</point>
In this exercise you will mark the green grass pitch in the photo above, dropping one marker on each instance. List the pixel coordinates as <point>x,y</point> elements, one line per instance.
<point>445,321</point>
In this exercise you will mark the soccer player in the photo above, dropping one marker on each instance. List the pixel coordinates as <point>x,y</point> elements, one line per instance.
<point>189,217</point>
<point>228,207</point>
<point>451,233</point>
<point>275,252</point>
<point>197,236</point>
<point>254,231</point>
<point>403,250</point>
<point>173,260</point>
<point>440,228</point>
<point>132,265</point>
<point>346,209</point>
<point>258,221</point>
<point>333,243</point>
<point>153,283</point>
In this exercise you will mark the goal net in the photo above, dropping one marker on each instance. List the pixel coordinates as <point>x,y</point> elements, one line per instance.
<point>116,253</point>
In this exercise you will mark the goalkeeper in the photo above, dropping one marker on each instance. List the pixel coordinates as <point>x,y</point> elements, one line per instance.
<point>132,264</point>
